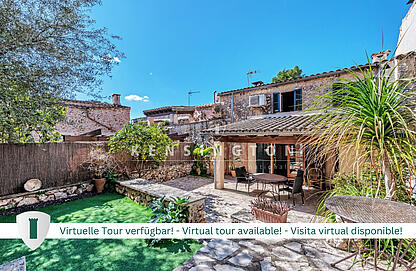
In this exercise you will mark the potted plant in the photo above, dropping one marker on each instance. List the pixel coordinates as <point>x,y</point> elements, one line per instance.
<point>233,167</point>
<point>270,211</point>
<point>98,163</point>
<point>233,170</point>
<point>201,157</point>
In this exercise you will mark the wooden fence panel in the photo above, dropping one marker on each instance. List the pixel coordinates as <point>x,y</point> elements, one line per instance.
<point>55,164</point>
<point>58,164</point>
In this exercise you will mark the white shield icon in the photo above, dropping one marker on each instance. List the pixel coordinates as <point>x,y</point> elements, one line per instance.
<point>33,228</point>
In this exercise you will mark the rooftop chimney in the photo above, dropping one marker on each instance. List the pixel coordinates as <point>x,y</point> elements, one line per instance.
<point>116,99</point>
<point>380,56</point>
<point>258,83</point>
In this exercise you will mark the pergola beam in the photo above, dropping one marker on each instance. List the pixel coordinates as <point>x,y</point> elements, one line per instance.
<point>260,139</point>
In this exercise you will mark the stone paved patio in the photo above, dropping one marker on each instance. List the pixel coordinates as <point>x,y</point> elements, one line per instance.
<point>264,255</point>
<point>16,265</point>
<point>250,255</point>
<point>222,204</point>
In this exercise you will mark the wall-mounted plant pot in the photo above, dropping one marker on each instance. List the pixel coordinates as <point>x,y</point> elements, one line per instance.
<point>99,184</point>
<point>269,217</point>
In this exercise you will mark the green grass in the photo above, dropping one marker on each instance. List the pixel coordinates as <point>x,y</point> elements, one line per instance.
<point>101,254</point>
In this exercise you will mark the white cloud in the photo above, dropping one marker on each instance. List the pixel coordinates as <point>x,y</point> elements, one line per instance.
<point>150,73</point>
<point>137,98</point>
<point>110,58</point>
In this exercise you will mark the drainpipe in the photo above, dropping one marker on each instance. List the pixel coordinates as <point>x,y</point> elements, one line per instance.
<point>232,107</point>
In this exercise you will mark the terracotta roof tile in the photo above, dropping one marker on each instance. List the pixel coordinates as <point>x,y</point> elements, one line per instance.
<point>283,123</point>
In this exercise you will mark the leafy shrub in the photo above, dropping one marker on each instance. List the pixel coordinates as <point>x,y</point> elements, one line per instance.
<point>276,207</point>
<point>175,211</point>
<point>201,156</point>
<point>110,185</point>
<point>145,143</point>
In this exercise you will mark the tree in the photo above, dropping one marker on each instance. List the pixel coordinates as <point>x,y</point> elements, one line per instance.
<point>375,122</point>
<point>50,49</point>
<point>144,142</point>
<point>26,116</point>
<point>287,75</point>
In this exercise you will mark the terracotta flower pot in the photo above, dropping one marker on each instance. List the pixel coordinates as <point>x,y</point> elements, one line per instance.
<point>269,217</point>
<point>198,170</point>
<point>99,184</point>
<point>233,174</point>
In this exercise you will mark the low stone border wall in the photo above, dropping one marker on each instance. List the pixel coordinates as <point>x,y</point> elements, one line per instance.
<point>45,195</point>
<point>143,192</point>
<point>168,172</point>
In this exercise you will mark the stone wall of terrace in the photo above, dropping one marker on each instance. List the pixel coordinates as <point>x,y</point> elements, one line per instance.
<point>144,192</point>
<point>44,195</point>
<point>168,172</point>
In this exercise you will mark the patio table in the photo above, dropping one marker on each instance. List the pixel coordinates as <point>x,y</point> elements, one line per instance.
<point>371,210</point>
<point>273,180</point>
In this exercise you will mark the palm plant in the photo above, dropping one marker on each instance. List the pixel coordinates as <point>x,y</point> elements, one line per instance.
<point>370,117</point>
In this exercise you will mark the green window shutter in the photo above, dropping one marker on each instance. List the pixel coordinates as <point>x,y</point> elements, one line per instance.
<point>276,102</point>
<point>298,99</point>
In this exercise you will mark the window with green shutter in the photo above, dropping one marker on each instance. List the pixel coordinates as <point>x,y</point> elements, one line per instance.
<point>298,99</point>
<point>276,102</point>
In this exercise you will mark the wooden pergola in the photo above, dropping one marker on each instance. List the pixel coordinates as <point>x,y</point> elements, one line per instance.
<point>289,129</point>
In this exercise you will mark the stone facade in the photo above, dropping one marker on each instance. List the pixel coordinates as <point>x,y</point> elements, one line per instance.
<point>144,192</point>
<point>168,172</point>
<point>40,196</point>
<point>193,130</point>
<point>86,116</point>
<point>312,86</point>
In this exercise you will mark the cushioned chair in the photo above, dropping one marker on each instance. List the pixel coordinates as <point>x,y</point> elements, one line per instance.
<point>295,187</point>
<point>243,176</point>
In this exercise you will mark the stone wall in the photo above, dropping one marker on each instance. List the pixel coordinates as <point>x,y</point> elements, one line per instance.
<point>144,192</point>
<point>194,130</point>
<point>82,118</point>
<point>168,172</point>
<point>45,195</point>
<point>312,87</point>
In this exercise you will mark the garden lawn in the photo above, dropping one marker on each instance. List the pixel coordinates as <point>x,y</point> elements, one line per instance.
<point>116,254</point>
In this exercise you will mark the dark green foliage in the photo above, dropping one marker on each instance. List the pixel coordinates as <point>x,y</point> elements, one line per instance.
<point>287,75</point>
<point>175,211</point>
<point>142,141</point>
<point>27,116</point>
<point>374,121</point>
<point>164,211</point>
<point>201,157</point>
<point>110,185</point>
<point>50,49</point>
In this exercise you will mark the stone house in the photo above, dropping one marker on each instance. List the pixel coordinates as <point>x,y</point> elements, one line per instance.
<point>269,120</point>
<point>92,120</point>
<point>185,123</point>
<point>169,115</point>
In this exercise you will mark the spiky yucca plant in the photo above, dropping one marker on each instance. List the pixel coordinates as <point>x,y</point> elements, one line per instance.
<point>371,117</point>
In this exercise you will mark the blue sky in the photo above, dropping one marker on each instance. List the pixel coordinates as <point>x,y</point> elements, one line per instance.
<point>176,46</point>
